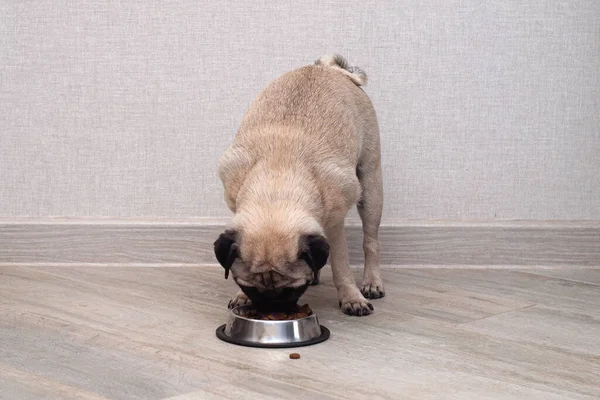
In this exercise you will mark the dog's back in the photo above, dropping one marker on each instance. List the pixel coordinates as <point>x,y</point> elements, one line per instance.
<point>323,101</point>
<point>316,119</point>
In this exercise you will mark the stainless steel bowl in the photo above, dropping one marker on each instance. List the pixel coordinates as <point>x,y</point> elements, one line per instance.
<point>259,333</point>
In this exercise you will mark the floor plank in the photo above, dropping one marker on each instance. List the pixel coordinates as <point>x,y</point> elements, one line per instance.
<point>591,276</point>
<point>148,333</point>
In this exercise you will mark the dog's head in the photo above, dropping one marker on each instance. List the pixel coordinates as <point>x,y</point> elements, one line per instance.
<point>272,266</point>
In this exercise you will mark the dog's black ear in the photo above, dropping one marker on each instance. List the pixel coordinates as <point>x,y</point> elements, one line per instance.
<point>314,249</point>
<point>226,250</point>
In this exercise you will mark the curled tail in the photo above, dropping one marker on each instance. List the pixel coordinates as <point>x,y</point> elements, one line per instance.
<point>358,76</point>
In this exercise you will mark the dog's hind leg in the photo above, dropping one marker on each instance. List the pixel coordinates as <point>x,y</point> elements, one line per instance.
<point>350,299</point>
<point>370,208</point>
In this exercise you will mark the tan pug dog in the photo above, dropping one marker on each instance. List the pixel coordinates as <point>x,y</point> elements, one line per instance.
<point>306,152</point>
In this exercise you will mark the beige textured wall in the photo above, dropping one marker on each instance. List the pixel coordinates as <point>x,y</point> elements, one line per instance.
<point>488,109</point>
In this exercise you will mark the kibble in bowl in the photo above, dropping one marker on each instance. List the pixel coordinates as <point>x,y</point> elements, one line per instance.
<point>298,312</point>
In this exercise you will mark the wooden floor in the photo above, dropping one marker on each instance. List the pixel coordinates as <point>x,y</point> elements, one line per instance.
<point>148,333</point>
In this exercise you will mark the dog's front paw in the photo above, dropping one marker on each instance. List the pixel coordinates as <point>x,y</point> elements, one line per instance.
<point>240,299</point>
<point>355,304</point>
<point>373,289</point>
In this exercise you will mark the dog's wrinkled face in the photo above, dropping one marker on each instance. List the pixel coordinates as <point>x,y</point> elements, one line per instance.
<point>272,271</point>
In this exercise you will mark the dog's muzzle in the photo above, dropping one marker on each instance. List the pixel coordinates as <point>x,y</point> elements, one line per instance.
<point>275,299</point>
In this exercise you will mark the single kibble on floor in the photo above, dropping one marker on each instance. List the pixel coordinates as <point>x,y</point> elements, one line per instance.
<point>294,356</point>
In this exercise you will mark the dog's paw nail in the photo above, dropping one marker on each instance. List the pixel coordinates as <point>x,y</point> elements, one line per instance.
<point>373,291</point>
<point>357,308</point>
<point>238,301</point>
<point>232,304</point>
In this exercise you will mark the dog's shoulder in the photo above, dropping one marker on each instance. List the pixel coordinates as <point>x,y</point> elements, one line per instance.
<point>234,165</point>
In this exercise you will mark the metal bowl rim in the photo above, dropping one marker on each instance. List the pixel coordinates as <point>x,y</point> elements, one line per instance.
<point>325,334</point>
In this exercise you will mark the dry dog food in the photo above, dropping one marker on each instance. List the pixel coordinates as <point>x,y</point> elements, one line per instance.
<point>297,313</point>
<point>294,356</point>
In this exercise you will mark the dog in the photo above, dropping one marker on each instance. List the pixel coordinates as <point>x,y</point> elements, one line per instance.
<point>307,150</point>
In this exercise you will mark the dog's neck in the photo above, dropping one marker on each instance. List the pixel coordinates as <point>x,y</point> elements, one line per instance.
<point>285,188</point>
<point>281,220</point>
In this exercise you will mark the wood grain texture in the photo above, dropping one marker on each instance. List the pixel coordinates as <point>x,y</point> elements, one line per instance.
<point>580,275</point>
<point>148,333</point>
<point>189,242</point>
